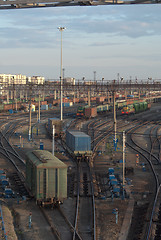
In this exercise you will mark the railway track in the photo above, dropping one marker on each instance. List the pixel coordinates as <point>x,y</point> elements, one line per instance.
<point>150,228</point>
<point>80,230</point>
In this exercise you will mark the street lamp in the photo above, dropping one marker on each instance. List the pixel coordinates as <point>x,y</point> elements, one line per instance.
<point>61,29</point>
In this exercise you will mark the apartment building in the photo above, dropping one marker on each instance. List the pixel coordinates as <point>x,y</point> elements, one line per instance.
<point>36,79</point>
<point>9,79</point>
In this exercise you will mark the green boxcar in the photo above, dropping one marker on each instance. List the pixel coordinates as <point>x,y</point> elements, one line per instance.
<point>137,108</point>
<point>46,176</point>
<point>145,106</point>
<point>1,107</point>
<point>141,107</point>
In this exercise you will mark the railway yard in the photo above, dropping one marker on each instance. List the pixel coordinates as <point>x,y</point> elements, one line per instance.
<point>97,205</point>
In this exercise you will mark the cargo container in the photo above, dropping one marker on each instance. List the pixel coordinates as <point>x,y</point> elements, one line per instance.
<point>46,177</point>
<point>67,104</point>
<point>58,126</point>
<point>44,107</point>
<point>78,143</point>
<point>56,102</point>
<point>100,99</point>
<point>90,112</point>
<point>130,96</point>
<point>10,111</point>
<point>32,107</point>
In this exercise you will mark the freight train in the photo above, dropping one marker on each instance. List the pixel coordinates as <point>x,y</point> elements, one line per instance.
<point>89,112</point>
<point>135,108</point>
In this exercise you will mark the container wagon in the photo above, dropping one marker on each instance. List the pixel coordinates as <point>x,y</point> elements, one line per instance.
<point>102,108</point>
<point>100,99</point>
<point>46,177</point>
<point>44,107</point>
<point>90,112</point>
<point>78,144</point>
<point>58,126</point>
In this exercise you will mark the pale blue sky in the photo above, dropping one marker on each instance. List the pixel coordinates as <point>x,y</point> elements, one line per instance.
<point>105,39</point>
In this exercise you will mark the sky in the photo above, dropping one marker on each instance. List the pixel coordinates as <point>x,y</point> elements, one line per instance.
<point>113,41</point>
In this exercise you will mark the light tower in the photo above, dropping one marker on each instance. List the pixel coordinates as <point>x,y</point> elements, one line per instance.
<point>61,29</point>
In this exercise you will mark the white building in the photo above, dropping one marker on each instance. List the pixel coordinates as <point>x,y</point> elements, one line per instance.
<point>69,81</point>
<point>36,80</point>
<point>9,79</point>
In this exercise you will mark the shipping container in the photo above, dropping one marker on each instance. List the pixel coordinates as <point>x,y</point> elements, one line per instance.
<point>100,99</point>
<point>78,142</point>
<point>56,102</point>
<point>32,107</point>
<point>10,111</point>
<point>46,177</point>
<point>67,104</point>
<point>44,107</point>
<point>90,112</point>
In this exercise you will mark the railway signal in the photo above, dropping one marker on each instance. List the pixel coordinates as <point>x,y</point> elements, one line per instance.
<point>137,159</point>
<point>123,167</point>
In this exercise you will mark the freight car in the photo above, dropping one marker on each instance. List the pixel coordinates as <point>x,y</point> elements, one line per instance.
<point>78,144</point>
<point>88,112</point>
<point>58,126</point>
<point>135,108</point>
<point>46,177</point>
<point>103,108</point>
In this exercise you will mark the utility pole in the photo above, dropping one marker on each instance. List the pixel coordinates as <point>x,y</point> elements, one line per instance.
<point>74,90</point>
<point>39,110</point>
<point>89,97</point>
<point>114,121</point>
<point>94,76</point>
<point>53,148</point>
<point>30,89</point>
<point>123,172</point>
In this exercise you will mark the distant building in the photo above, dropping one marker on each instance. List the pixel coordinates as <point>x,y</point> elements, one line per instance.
<point>36,80</point>
<point>9,79</point>
<point>69,81</point>
<point>89,83</point>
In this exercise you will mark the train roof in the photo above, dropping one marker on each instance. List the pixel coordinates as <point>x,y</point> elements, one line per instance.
<point>78,133</point>
<point>43,158</point>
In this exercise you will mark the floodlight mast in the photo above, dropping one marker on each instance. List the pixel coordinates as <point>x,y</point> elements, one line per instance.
<point>61,29</point>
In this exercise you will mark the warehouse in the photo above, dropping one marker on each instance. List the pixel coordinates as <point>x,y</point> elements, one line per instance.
<point>46,177</point>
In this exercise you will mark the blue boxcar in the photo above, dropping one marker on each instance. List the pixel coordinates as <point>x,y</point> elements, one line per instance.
<point>78,142</point>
